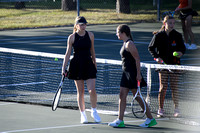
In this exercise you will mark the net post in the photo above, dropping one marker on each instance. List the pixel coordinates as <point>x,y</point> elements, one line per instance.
<point>148,84</point>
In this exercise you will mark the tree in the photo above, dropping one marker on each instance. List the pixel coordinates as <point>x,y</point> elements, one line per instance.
<point>19,5</point>
<point>68,5</point>
<point>123,6</point>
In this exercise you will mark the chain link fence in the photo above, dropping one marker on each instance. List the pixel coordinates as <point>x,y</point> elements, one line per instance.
<point>135,5</point>
<point>26,7</point>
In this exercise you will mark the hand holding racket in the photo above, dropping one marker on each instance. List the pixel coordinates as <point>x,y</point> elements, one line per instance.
<point>162,62</point>
<point>139,106</point>
<point>58,93</point>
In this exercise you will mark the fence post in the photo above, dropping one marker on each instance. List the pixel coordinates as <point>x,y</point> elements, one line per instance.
<point>158,10</point>
<point>78,8</point>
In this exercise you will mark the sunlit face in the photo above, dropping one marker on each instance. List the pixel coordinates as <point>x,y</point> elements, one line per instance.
<point>119,34</point>
<point>169,25</point>
<point>81,27</point>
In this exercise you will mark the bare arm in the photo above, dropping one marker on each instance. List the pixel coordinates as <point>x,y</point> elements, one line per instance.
<point>68,52</point>
<point>130,46</point>
<point>92,48</point>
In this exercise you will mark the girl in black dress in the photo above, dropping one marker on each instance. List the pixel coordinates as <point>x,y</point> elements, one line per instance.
<point>82,66</point>
<point>131,73</point>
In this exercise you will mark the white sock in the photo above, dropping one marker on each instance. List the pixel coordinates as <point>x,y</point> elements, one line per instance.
<point>93,109</point>
<point>83,113</point>
<point>119,120</point>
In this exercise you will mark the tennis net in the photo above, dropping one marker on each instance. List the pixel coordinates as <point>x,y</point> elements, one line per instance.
<point>33,77</point>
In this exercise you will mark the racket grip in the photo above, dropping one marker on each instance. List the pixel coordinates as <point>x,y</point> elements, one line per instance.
<point>138,83</point>
<point>66,73</point>
<point>156,59</point>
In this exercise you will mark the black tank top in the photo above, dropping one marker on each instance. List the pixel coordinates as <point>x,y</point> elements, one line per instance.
<point>82,45</point>
<point>128,62</point>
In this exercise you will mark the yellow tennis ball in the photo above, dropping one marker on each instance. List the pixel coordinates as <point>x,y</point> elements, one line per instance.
<point>175,54</point>
<point>56,59</point>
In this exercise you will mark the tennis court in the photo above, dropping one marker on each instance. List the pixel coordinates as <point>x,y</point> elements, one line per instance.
<point>18,117</point>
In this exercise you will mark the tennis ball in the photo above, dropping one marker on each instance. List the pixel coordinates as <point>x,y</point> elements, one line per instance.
<point>56,59</point>
<point>175,54</point>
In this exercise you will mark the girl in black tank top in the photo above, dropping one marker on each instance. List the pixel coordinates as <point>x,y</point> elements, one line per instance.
<point>131,74</point>
<point>82,66</point>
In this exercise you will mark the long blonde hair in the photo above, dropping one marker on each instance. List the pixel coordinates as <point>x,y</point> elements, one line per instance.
<point>167,17</point>
<point>74,30</point>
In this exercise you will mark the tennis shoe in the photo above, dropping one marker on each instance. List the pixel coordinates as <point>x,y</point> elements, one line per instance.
<point>187,45</point>
<point>83,118</point>
<point>160,113</point>
<point>192,47</point>
<point>148,123</point>
<point>117,123</point>
<point>96,117</point>
<point>176,112</point>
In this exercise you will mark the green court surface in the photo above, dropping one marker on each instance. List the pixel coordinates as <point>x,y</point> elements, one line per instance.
<point>25,118</point>
<point>31,118</point>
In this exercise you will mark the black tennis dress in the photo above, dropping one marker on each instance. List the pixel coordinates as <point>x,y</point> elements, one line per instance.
<point>129,68</point>
<point>81,65</point>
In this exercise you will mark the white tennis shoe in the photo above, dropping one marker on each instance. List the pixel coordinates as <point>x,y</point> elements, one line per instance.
<point>83,118</point>
<point>176,112</point>
<point>192,47</point>
<point>96,117</point>
<point>160,113</point>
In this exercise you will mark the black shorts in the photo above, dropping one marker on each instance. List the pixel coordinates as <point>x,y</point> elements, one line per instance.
<point>128,80</point>
<point>185,13</point>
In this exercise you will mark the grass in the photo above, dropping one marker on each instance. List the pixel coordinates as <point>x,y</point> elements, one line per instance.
<point>34,18</point>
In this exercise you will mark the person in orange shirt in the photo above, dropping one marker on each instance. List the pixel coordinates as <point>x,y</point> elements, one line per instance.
<point>186,14</point>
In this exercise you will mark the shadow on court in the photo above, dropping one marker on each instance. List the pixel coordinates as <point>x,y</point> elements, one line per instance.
<point>26,118</point>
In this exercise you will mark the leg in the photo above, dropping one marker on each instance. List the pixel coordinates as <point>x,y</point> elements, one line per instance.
<point>80,98</point>
<point>80,94</point>
<point>93,99</point>
<point>139,100</point>
<point>163,78</point>
<point>188,25</point>
<point>122,106</point>
<point>122,101</point>
<point>92,92</point>
<point>150,121</point>
<point>174,87</point>
<point>185,33</point>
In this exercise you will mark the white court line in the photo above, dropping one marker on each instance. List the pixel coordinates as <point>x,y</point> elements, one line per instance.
<point>2,104</point>
<point>71,126</point>
<point>33,83</point>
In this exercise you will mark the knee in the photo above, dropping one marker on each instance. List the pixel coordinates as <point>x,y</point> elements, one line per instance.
<point>122,96</point>
<point>92,91</point>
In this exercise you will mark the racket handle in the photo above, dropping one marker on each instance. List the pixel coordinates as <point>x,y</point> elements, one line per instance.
<point>138,83</point>
<point>156,59</point>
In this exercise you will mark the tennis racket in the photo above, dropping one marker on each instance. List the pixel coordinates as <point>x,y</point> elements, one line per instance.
<point>137,110</point>
<point>164,64</point>
<point>58,94</point>
<point>170,13</point>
